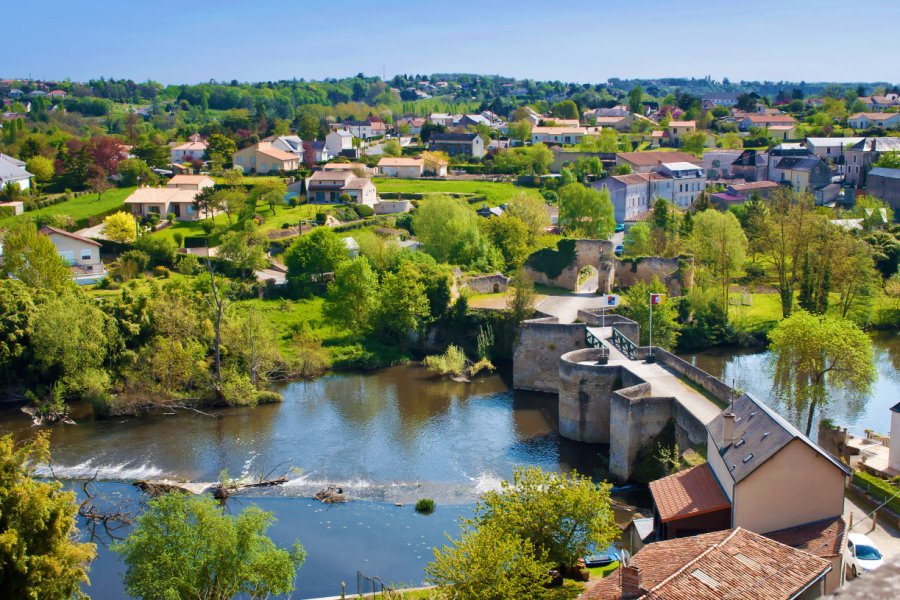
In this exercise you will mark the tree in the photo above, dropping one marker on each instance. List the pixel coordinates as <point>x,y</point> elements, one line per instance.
<point>510,236</point>
<point>120,227</point>
<point>812,351</point>
<point>694,143</point>
<point>272,193</point>
<point>352,299</point>
<point>308,127</point>
<point>219,149</point>
<point>392,148</point>
<point>42,169</point>
<point>428,128</point>
<point>253,346</point>
<point>637,240</point>
<point>154,154</point>
<point>566,109</point>
<point>520,304</point>
<point>403,302</point>
<point>532,211</point>
<point>134,171</point>
<point>232,201</point>
<point>520,130</point>
<point>313,255</point>
<point>489,564</point>
<point>731,141</point>
<point>540,157</point>
<point>39,557</point>
<point>720,246</point>
<point>434,160</point>
<point>245,248</point>
<point>32,258</point>
<point>889,160</point>
<point>665,326</point>
<point>562,515</point>
<point>99,184</point>
<point>635,100</point>
<point>186,546</point>
<point>447,228</point>
<point>586,212</point>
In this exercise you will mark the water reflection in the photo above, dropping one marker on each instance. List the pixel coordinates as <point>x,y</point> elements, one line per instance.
<point>753,372</point>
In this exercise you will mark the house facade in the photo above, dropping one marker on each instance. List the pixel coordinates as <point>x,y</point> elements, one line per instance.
<point>292,144</point>
<point>190,182</point>
<point>871,120</point>
<point>404,168</point>
<point>461,144</point>
<point>80,253</point>
<point>329,186</point>
<point>802,174</point>
<point>688,181</point>
<point>633,195</point>
<point>884,184</point>
<point>12,170</point>
<point>831,149</point>
<point>765,121</point>
<point>188,152</point>
<point>644,162</point>
<point>263,158</point>
<point>339,142</point>
<point>566,135</point>
<point>679,129</point>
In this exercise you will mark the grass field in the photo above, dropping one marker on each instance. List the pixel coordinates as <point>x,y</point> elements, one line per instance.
<point>496,193</point>
<point>82,207</point>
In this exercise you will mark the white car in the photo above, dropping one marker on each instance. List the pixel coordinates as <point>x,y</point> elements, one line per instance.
<point>863,555</point>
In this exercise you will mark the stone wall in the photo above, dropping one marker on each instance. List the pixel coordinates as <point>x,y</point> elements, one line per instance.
<point>536,356</point>
<point>676,273</point>
<point>584,392</point>
<point>587,252</point>
<point>709,383</point>
<point>631,329</point>
<point>487,284</point>
<point>635,419</point>
<point>689,431</point>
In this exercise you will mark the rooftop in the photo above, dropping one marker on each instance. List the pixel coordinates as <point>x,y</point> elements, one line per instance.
<point>189,179</point>
<point>48,230</point>
<point>151,195</point>
<point>885,172</point>
<point>401,162</point>
<point>734,563</point>
<point>822,538</point>
<point>759,433</point>
<point>688,493</point>
<point>651,159</point>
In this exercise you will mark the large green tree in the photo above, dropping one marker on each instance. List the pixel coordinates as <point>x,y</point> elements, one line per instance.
<point>313,255</point>
<point>32,258</point>
<point>532,211</point>
<point>814,352</point>
<point>403,303</point>
<point>352,298</point>
<point>665,325</point>
<point>720,247</point>
<point>586,212</point>
<point>245,248</point>
<point>447,228</point>
<point>39,555</point>
<point>187,547</point>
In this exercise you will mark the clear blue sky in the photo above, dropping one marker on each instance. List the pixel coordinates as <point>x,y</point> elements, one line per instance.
<point>189,42</point>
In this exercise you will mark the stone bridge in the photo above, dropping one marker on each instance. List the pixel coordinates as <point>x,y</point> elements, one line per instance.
<point>609,397</point>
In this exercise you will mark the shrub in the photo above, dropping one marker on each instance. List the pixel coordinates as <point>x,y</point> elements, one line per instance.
<point>178,237</point>
<point>170,217</point>
<point>878,488</point>
<point>425,506</point>
<point>346,198</point>
<point>451,362</point>
<point>238,390</point>
<point>268,397</point>
<point>161,271</point>
<point>321,218</point>
<point>188,265</point>
<point>207,226</point>
<point>364,210</point>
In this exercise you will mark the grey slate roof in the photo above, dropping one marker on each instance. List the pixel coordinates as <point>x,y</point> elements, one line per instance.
<point>798,163</point>
<point>878,144</point>
<point>885,172</point>
<point>453,137</point>
<point>759,434</point>
<point>12,169</point>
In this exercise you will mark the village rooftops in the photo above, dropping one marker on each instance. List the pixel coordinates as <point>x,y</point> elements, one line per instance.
<point>885,172</point>
<point>651,159</point>
<point>878,144</point>
<point>267,149</point>
<point>763,119</point>
<point>455,137</point>
<point>798,163</point>
<point>735,563</point>
<point>758,434</point>
<point>682,123</point>
<point>189,180</point>
<point>688,493</point>
<point>639,178</point>
<point>836,142</point>
<point>753,186</point>
<point>873,116</point>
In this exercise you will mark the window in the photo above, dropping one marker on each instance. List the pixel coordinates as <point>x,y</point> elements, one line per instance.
<point>85,254</point>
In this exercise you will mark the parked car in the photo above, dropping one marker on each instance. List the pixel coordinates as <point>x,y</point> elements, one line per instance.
<point>620,249</point>
<point>864,556</point>
<point>620,227</point>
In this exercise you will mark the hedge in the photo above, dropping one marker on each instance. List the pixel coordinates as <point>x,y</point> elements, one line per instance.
<point>878,488</point>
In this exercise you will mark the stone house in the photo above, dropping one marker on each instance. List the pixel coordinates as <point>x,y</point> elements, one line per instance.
<point>802,174</point>
<point>688,181</point>
<point>339,142</point>
<point>679,129</point>
<point>632,195</point>
<point>751,165</point>
<point>862,155</point>
<point>884,184</point>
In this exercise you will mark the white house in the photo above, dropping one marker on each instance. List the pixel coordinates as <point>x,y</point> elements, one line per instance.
<point>81,254</point>
<point>688,181</point>
<point>329,186</point>
<point>12,170</point>
<point>338,141</point>
<point>444,119</point>
<point>403,167</point>
<point>189,151</point>
<point>561,135</point>
<point>874,119</point>
<point>291,144</point>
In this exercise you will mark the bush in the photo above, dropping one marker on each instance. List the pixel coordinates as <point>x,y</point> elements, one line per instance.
<point>238,390</point>
<point>188,265</point>
<point>321,217</point>
<point>878,488</point>
<point>363,210</point>
<point>451,362</point>
<point>170,217</point>
<point>161,272</point>
<point>425,506</point>
<point>178,237</point>
<point>268,397</point>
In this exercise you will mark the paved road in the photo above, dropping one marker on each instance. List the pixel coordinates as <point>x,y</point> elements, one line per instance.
<point>566,305</point>
<point>885,538</point>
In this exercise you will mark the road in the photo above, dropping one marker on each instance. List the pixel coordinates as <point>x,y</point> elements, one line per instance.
<point>565,305</point>
<point>885,538</point>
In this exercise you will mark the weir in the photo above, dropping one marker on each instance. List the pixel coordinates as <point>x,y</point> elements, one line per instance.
<point>609,393</point>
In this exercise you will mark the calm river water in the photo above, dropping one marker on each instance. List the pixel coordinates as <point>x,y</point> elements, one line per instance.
<point>388,437</point>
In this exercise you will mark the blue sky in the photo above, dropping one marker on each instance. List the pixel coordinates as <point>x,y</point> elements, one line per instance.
<point>188,42</point>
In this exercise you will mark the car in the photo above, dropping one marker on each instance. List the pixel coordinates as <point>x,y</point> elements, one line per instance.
<point>620,249</point>
<point>620,227</point>
<point>863,555</point>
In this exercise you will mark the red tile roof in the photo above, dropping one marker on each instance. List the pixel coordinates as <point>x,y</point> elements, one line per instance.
<point>822,538</point>
<point>692,492</point>
<point>734,563</point>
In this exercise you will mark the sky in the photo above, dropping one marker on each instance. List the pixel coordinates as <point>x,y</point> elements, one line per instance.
<point>190,42</point>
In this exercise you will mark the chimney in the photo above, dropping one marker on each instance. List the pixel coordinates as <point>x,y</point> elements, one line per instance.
<point>727,428</point>
<point>631,582</point>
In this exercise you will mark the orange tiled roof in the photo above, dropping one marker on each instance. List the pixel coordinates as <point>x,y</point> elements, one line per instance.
<point>692,492</point>
<point>734,563</point>
<point>822,538</point>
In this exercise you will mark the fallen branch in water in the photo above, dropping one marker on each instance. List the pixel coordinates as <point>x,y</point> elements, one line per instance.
<point>111,521</point>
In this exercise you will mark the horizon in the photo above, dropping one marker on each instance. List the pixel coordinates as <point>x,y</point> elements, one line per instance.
<point>174,44</point>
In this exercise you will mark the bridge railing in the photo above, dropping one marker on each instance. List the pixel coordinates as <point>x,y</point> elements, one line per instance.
<point>591,340</point>
<point>625,345</point>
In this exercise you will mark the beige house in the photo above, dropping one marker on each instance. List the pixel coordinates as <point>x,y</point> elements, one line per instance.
<point>81,254</point>
<point>190,182</point>
<point>874,119</point>
<point>265,158</point>
<point>404,168</point>
<point>329,186</point>
<point>148,201</point>
<point>561,135</point>
<point>679,129</point>
<point>189,151</point>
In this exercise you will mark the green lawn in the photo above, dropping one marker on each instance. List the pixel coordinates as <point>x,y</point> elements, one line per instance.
<point>253,179</point>
<point>569,590</point>
<point>496,193</point>
<point>82,207</point>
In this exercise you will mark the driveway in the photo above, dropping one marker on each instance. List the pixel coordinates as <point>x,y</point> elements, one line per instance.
<point>885,538</point>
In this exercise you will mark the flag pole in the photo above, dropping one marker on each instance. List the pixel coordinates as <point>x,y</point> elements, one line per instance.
<point>651,325</point>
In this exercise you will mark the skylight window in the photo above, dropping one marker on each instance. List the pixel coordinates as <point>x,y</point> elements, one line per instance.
<point>747,561</point>
<point>739,443</point>
<point>705,578</point>
<point>748,458</point>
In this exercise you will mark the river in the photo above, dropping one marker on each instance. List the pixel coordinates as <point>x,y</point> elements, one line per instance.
<point>388,437</point>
